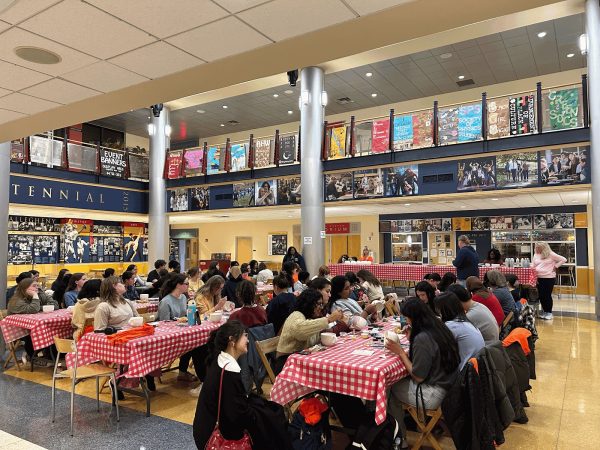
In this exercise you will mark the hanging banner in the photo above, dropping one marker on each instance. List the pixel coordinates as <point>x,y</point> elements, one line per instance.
<point>287,149</point>
<point>213,160</point>
<point>112,163</point>
<point>262,153</point>
<point>139,168</point>
<point>423,129</point>
<point>381,136</point>
<point>43,150</point>
<point>193,161</point>
<point>174,161</point>
<point>469,122</point>
<point>337,147</point>
<point>522,115</point>
<point>239,157</point>
<point>564,108</point>
<point>17,151</point>
<point>448,126</point>
<point>82,158</point>
<point>403,132</point>
<point>498,118</point>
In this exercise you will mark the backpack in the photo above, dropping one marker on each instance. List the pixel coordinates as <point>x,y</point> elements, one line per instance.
<point>370,436</point>
<point>310,437</point>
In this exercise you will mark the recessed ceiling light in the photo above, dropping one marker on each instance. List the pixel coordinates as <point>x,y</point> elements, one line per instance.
<point>462,206</point>
<point>222,124</point>
<point>407,204</point>
<point>574,201</point>
<point>542,34</point>
<point>290,112</point>
<point>37,55</point>
<point>149,117</point>
<point>461,77</point>
<point>288,91</point>
<point>494,199</point>
<point>373,95</point>
<point>446,55</point>
<point>368,74</point>
<point>275,95</point>
<point>570,55</point>
<point>200,111</point>
<point>225,106</point>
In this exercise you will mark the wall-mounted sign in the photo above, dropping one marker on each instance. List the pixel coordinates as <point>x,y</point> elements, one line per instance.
<point>337,228</point>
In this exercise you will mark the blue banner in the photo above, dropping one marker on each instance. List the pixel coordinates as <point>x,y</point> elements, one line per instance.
<point>469,122</point>
<point>45,192</point>
<point>403,132</point>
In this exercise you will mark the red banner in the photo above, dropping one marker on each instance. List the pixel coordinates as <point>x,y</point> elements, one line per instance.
<point>337,228</point>
<point>381,136</point>
<point>174,161</point>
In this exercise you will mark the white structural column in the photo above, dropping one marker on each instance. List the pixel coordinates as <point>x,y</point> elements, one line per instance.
<point>312,101</point>
<point>158,223</point>
<point>4,175</point>
<point>592,10</point>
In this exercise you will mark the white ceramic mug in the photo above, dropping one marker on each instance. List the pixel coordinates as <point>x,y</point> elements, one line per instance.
<point>391,336</point>
<point>216,316</point>
<point>379,304</point>
<point>144,296</point>
<point>328,339</point>
<point>136,321</point>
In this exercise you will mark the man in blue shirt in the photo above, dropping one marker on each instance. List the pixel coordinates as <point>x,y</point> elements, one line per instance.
<point>467,260</point>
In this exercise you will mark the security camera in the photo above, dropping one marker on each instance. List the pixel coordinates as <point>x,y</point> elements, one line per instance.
<point>156,109</point>
<point>292,77</point>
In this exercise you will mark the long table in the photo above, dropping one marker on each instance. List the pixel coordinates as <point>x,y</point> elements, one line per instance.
<point>416,272</point>
<point>338,370</point>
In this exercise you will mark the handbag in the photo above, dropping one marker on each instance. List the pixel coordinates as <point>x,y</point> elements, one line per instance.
<point>217,441</point>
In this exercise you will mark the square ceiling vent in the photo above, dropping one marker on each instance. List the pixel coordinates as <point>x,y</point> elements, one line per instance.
<point>463,83</point>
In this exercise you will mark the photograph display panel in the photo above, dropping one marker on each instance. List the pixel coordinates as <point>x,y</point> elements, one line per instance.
<point>20,249</point>
<point>45,249</point>
<point>461,223</point>
<point>476,174</point>
<point>75,240</point>
<point>524,222</point>
<point>368,183</point>
<point>553,221</point>
<point>515,170</point>
<point>243,195</point>
<point>401,181</point>
<point>289,191</point>
<point>338,186</point>
<point>199,198</point>
<point>480,223</point>
<point>28,223</point>
<point>266,193</point>
<point>177,200</point>
<point>564,166</point>
<point>277,244</point>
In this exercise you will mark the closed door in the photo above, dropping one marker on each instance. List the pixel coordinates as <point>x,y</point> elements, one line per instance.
<point>243,249</point>
<point>354,248</point>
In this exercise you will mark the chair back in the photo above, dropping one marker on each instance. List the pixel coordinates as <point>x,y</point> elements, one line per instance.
<point>64,345</point>
<point>142,310</point>
<point>265,347</point>
<point>507,319</point>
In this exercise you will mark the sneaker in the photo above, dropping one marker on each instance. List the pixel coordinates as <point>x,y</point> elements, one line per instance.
<point>24,358</point>
<point>549,316</point>
<point>543,315</point>
<point>187,377</point>
<point>196,391</point>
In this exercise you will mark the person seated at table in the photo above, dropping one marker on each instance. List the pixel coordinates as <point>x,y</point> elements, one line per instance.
<point>76,282</point>
<point>432,361</point>
<point>45,298</point>
<point>264,274</point>
<point>323,272</point>
<point>282,304</point>
<point>291,270</point>
<point>11,290</point>
<point>263,420</point>
<point>109,272</point>
<point>366,255</point>
<point>426,293</point>
<point>59,279</point>
<point>208,298</point>
<point>59,293</point>
<point>340,299</point>
<point>433,279</point>
<point>154,276</point>
<point>371,285</point>
<point>494,257</point>
<point>302,283</point>
<point>232,264</point>
<point>357,292</point>
<point>134,270</point>
<point>213,269</point>
<point>253,266</point>
<point>87,301</point>
<point>323,285</point>
<point>231,284</point>
<point>113,310</point>
<point>173,306</point>
<point>128,279</point>
<point>162,277</point>
<point>194,281</point>
<point>514,286</point>
<point>468,337</point>
<point>497,284</point>
<point>250,314</point>
<point>303,327</point>
<point>448,279</point>
<point>479,315</point>
<point>480,294</point>
<point>245,269</point>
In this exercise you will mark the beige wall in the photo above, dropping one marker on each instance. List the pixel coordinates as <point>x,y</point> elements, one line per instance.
<point>133,140</point>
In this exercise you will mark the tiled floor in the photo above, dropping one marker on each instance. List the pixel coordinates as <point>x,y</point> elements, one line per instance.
<point>564,412</point>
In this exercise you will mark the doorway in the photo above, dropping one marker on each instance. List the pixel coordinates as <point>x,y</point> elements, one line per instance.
<point>337,245</point>
<point>243,249</point>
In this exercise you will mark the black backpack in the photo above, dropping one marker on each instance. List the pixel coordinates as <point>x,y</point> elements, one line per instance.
<point>310,437</point>
<point>370,436</point>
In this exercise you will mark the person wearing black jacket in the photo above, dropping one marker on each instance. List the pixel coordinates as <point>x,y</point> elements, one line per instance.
<point>154,275</point>
<point>231,284</point>
<point>466,262</point>
<point>213,269</point>
<point>282,304</point>
<point>292,255</point>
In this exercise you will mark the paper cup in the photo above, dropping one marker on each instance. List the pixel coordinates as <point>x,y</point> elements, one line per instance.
<point>144,296</point>
<point>48,308</point>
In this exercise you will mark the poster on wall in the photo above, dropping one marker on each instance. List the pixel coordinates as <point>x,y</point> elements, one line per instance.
<point>476,174</point>
<point>403,132</point>
<point>174,161</point>
<point>515,170</point>
<point>469,122</point>
<point>239,157</point>
<point>106,228</point>
<point>480,223</point>
<point>381,136</point>
<point>243,195</point>
<point>563,109</point>
<point>498,118</point>
<point>17,151</point>
<point>524,222</point>
<point>368,183</point>
<point>134,241</point>
<point>277,244</point>
<point>461,223</point>
<point>194,159</point>
<point>337,145</point>
<point>550,221</point>
<point>501,223</point>
<point>107,249</point>
<point>401,180</point>
<point>448,125</point>
<point>173,250</point>
<point>423,129</point>
<point>402,226</point>
<point>363,136</point>
<point>177,200</point>
<point>138,167</point>
<point>437,225</point>
<point>83,158</point>
<point>521,112</point>
<point>75,240</point>
<point>266,193</point>
<point>213,160</point>
<point>199,197</point>
<point>338,186</point>
<point>287,149</point>
<point>112,163</point>
<point>564,166</point>
<point>20,249</point>
<point>262,153</point>
<point>45,249</point>
<point>289,191</point>
<point>45,151</point>
<point>28,223</point>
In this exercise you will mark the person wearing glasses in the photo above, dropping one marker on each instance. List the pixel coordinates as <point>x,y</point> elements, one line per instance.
<point>76,282</point>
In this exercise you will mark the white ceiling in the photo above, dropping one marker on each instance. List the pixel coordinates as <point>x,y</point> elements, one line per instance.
<point>425,204</point>
<point>106,45</point>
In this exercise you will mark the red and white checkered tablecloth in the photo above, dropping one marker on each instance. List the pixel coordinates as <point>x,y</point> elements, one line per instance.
<point>144,354</point>
<point>151,306</point>
<point>42,327</point>
<point>416,272</point>
<point>336,370</point>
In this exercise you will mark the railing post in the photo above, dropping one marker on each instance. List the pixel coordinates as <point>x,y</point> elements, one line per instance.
<point>276,150</point>
<point>227,155</point>
<point>352,143</point>
<point>585,99</point>
<point>539,110</point>
<point>484,129</point>
<point>391,134</point>
<point>325,148</point>
<point>435,124</point>
<point>251,152</point>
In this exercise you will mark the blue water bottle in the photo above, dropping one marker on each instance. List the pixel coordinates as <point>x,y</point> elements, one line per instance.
<point>191,313</point>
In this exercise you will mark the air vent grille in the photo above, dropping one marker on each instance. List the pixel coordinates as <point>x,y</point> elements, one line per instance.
<point>463,83</point>
<point>344,101</point>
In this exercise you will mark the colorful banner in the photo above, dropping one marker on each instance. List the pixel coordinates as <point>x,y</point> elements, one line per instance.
<point>498,118</point>
<point>194,158</point>
<point>112,163</point>
<point>403,132</point>
<point>262,153</point>
<point>17,151</point>
<point>287,149</point>
<point>213,160</point>
<point>174,161</point>
<point>337,147</point>
<point>381,136</point>
<point>448,125</point>
<point>522,115</point>
<point>469,122</point>
<point>363,136</point>
<point>239,157</point>
<point>564,108</point>
<point>423,129</point>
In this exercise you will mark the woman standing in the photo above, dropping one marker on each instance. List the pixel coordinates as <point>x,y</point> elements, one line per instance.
<point>208,298</point>
<point>545,262</point>
<point>293,256</point>
<point>76,282</point>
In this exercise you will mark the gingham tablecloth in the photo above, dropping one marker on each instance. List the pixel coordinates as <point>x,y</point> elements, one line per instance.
<point>151,306</point>
<point>336,370</point>
<point>416,272</point>
<point>145,354</point>
<point>42,327</point>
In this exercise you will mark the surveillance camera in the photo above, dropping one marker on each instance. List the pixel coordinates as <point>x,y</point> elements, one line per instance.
<point>156,109</point>
<point>293,77</point>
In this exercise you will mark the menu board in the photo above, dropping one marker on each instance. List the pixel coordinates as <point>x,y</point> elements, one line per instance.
<point>238,154</point>
<point>363,135</point>
<point>112,163</point>
<point>448,126</point>
<point>287,149</point>
<point>174,161</point>
<point>27,223</point>
<point>213,160</point>
<point>289,191</point>
<point>337,147</point>
<point>45,249</point>
<point>563,108</point>
<point>423,129</point>
<point>469,122</point>
<point>193,158</point>
<point>199,198</point>
<point>17,151</point>
<point>522,115</point>
<point>243,195</point>
<point>20,249</point>
<point>262,153</point>
<point>498,118</point>
<point>338,186</point>
<point>381,136</point>
<point>403,132</point>
<point>138,167</point>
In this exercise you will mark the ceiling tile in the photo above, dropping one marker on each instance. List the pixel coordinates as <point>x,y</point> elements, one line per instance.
<point>283,19</point>
<point>156,60</point>
<point>219,39</point>
<point>16,77</point>
<point>15,37</point>
<point>4,92</point>
<point>25,103</point>
<point>24,9</point>
<point>87,29</point>
<point>4,26</point>
<point>7,116</point>
<point>104,77</point>
<point>60,91</point>
<point>235,6</point>
<point>363,7</point>
<point>163,18</point>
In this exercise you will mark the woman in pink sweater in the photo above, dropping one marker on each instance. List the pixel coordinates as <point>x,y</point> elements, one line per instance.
<point>545,262</point>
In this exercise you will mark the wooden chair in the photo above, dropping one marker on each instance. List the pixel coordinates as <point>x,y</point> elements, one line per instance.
<point>263,348</point>
<point>10,346</point>
<point>425,427</point>
<point>77,373</point>
<point>142,311</point>
<point>507,319</point>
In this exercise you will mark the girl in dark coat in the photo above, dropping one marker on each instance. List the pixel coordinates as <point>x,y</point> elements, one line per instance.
<point>292,255</point>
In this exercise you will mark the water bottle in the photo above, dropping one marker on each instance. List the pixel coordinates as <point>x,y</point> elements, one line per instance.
<point>191,313</point>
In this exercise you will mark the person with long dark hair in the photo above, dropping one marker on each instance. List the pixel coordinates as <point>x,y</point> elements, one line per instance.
<point>76,282</point>
<point>448,279</point>
<point>340,299</point>
<point>371,285</point>
<point>426,293</point>
<point>478,315</point>
<point>88,300</point>
<point>293,256</point>
<point>213,269</point>
<point>250,314</point>
<point>253,266</point>
<point>61,288</point>
<point>234,278</point>
<point>59,279</point>
<point>432,361</point>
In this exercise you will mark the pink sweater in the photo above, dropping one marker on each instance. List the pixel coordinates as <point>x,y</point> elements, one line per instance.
<point>546,267</point>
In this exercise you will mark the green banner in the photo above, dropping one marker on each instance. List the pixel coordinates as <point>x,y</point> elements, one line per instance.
<point>564,108</point>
